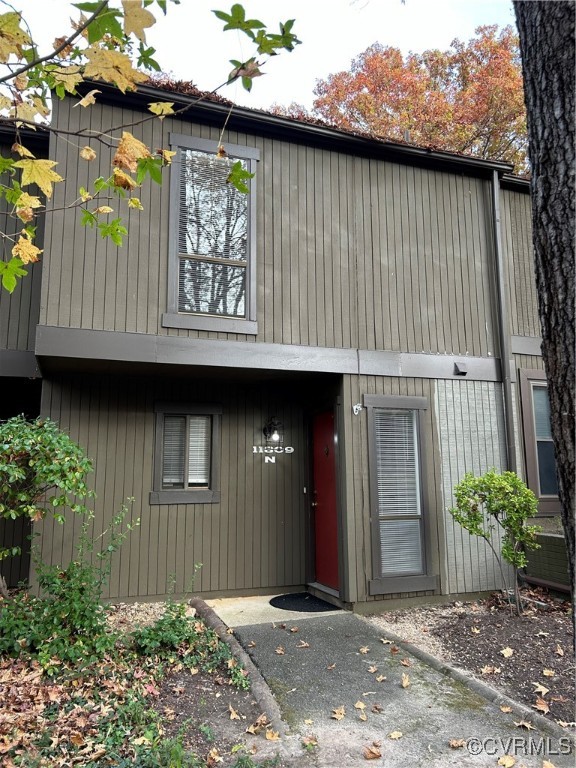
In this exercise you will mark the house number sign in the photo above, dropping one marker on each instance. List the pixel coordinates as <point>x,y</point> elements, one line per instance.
<point>271,449</point>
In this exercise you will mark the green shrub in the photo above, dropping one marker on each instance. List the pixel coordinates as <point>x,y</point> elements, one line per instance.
<point>67,622</point>
<point>499,501</point>
<point>196,644</point>
<point>41,469</point>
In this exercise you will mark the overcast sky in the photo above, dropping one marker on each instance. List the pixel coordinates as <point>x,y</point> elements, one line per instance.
<point>191,45</point>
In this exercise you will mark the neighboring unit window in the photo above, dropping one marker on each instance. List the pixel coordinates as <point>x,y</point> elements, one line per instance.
<point>398,530</point>
<point>186,456</point>
<point>539,448</point>
<point>213,256</point>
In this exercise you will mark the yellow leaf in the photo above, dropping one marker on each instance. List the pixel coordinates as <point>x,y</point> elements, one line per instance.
<point>507,761</point>
<point>140,740</point>
<point>507,652</point>
<point>130,150</point>
<point>371,753</point>
<point>360,705</point>
<point>380,678</point>
<point>540,689</point>
<point>364,649</point>
<point>303,644</point>
<point>308,722</point>
<point>386,642</point>
<point>26,251</point>
<point>504,708</point>
<point>405,680</point>
<point>87,100</point>
<point>338,713</point>
<point>457,743</point>
<point>331,666</point>
<point>541,705</point>
<point>475,631</point>
<point>87,153</point>
<point>524,724</point>
<point>548,764</point>
<point>136,19</point>
<point>213,757</point>
<point>406,663</point>
<point>39,172</point>
<point>112,67</point>
<point>395,735</point>
<point>69,77</point>
<point>103,209</point>
<point>272,735</point>
<point>161,108</point>
<point>21,82</point>
<point>24,111</point>
<point>372,669</point>
<point>280,651</point>
<point>121,179</point>
<point>167,155</point>
<point>28,201</point>
<point>134,202</point>
<point>12,38</point>
<point>22,151</point>
<point>548,673</point>
<point>25,214</point>
<point>233,714</point>
<point>363,716</point>
<point>559,650</point>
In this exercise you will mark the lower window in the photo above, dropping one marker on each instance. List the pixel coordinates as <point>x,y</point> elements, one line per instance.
<point>398,525</point>
<point>186,454</point>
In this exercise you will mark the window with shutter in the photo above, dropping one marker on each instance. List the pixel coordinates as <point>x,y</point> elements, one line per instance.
<point>212,253</point>
<point>186,454</point>
<point>397,508</point>
<point>538,445</point>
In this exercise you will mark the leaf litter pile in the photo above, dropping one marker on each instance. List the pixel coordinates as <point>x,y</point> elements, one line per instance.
<point>188,705</point>
<point>530,657</point>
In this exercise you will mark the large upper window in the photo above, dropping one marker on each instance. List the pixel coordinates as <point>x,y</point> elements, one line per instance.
<point>538,445</point>
<point>186,454</point>
<point>399,560</point>
<point>212,259</point>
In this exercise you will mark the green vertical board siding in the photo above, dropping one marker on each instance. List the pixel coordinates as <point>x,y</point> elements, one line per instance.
<point>351,252</point>
<point>353,447</point>
<point>517,243</point>
<point>254,538</point>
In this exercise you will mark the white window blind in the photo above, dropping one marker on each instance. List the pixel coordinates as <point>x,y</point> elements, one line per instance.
<point>212,237</point>
<point>186,451</point>
<point>398,492</point>
<point>544,446</point>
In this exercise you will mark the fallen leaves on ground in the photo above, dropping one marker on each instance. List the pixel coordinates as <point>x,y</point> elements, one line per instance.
<point>524,724</point>
<point>364,649</point>
<point>395,735</point>
<point>507,652</point>
<point>506,709</point>
<point>405,681</point>
<point>372,752</point>
<point>272,735</point>
<point>506,761</point>
<point>338,713</point>
<point>541,705</point>
<point>457,743</point>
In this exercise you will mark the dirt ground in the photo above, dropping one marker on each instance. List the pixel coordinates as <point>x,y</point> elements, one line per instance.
<point>529,658</point>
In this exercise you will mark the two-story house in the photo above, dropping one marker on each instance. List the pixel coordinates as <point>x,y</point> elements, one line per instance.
<point>291,382</point>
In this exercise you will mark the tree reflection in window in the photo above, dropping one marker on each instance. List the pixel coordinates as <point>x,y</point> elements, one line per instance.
<point>212,237</point>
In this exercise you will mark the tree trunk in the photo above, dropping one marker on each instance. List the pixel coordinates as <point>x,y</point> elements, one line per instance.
<point>546,29</point>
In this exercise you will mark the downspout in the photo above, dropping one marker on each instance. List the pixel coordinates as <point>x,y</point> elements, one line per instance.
<point>503,328</point>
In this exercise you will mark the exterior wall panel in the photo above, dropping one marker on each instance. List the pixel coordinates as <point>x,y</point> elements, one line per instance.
<point>517,244</point>
<point>255,538</point>
<point>351,252</point>
<point>470,418</point>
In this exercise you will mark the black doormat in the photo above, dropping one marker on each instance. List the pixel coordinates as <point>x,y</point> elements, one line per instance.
<point>303,602</point>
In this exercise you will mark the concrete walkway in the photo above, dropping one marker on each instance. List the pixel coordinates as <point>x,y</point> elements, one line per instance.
<point>336,663</point>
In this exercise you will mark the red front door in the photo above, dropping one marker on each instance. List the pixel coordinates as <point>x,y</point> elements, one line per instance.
<point>324,501</point>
